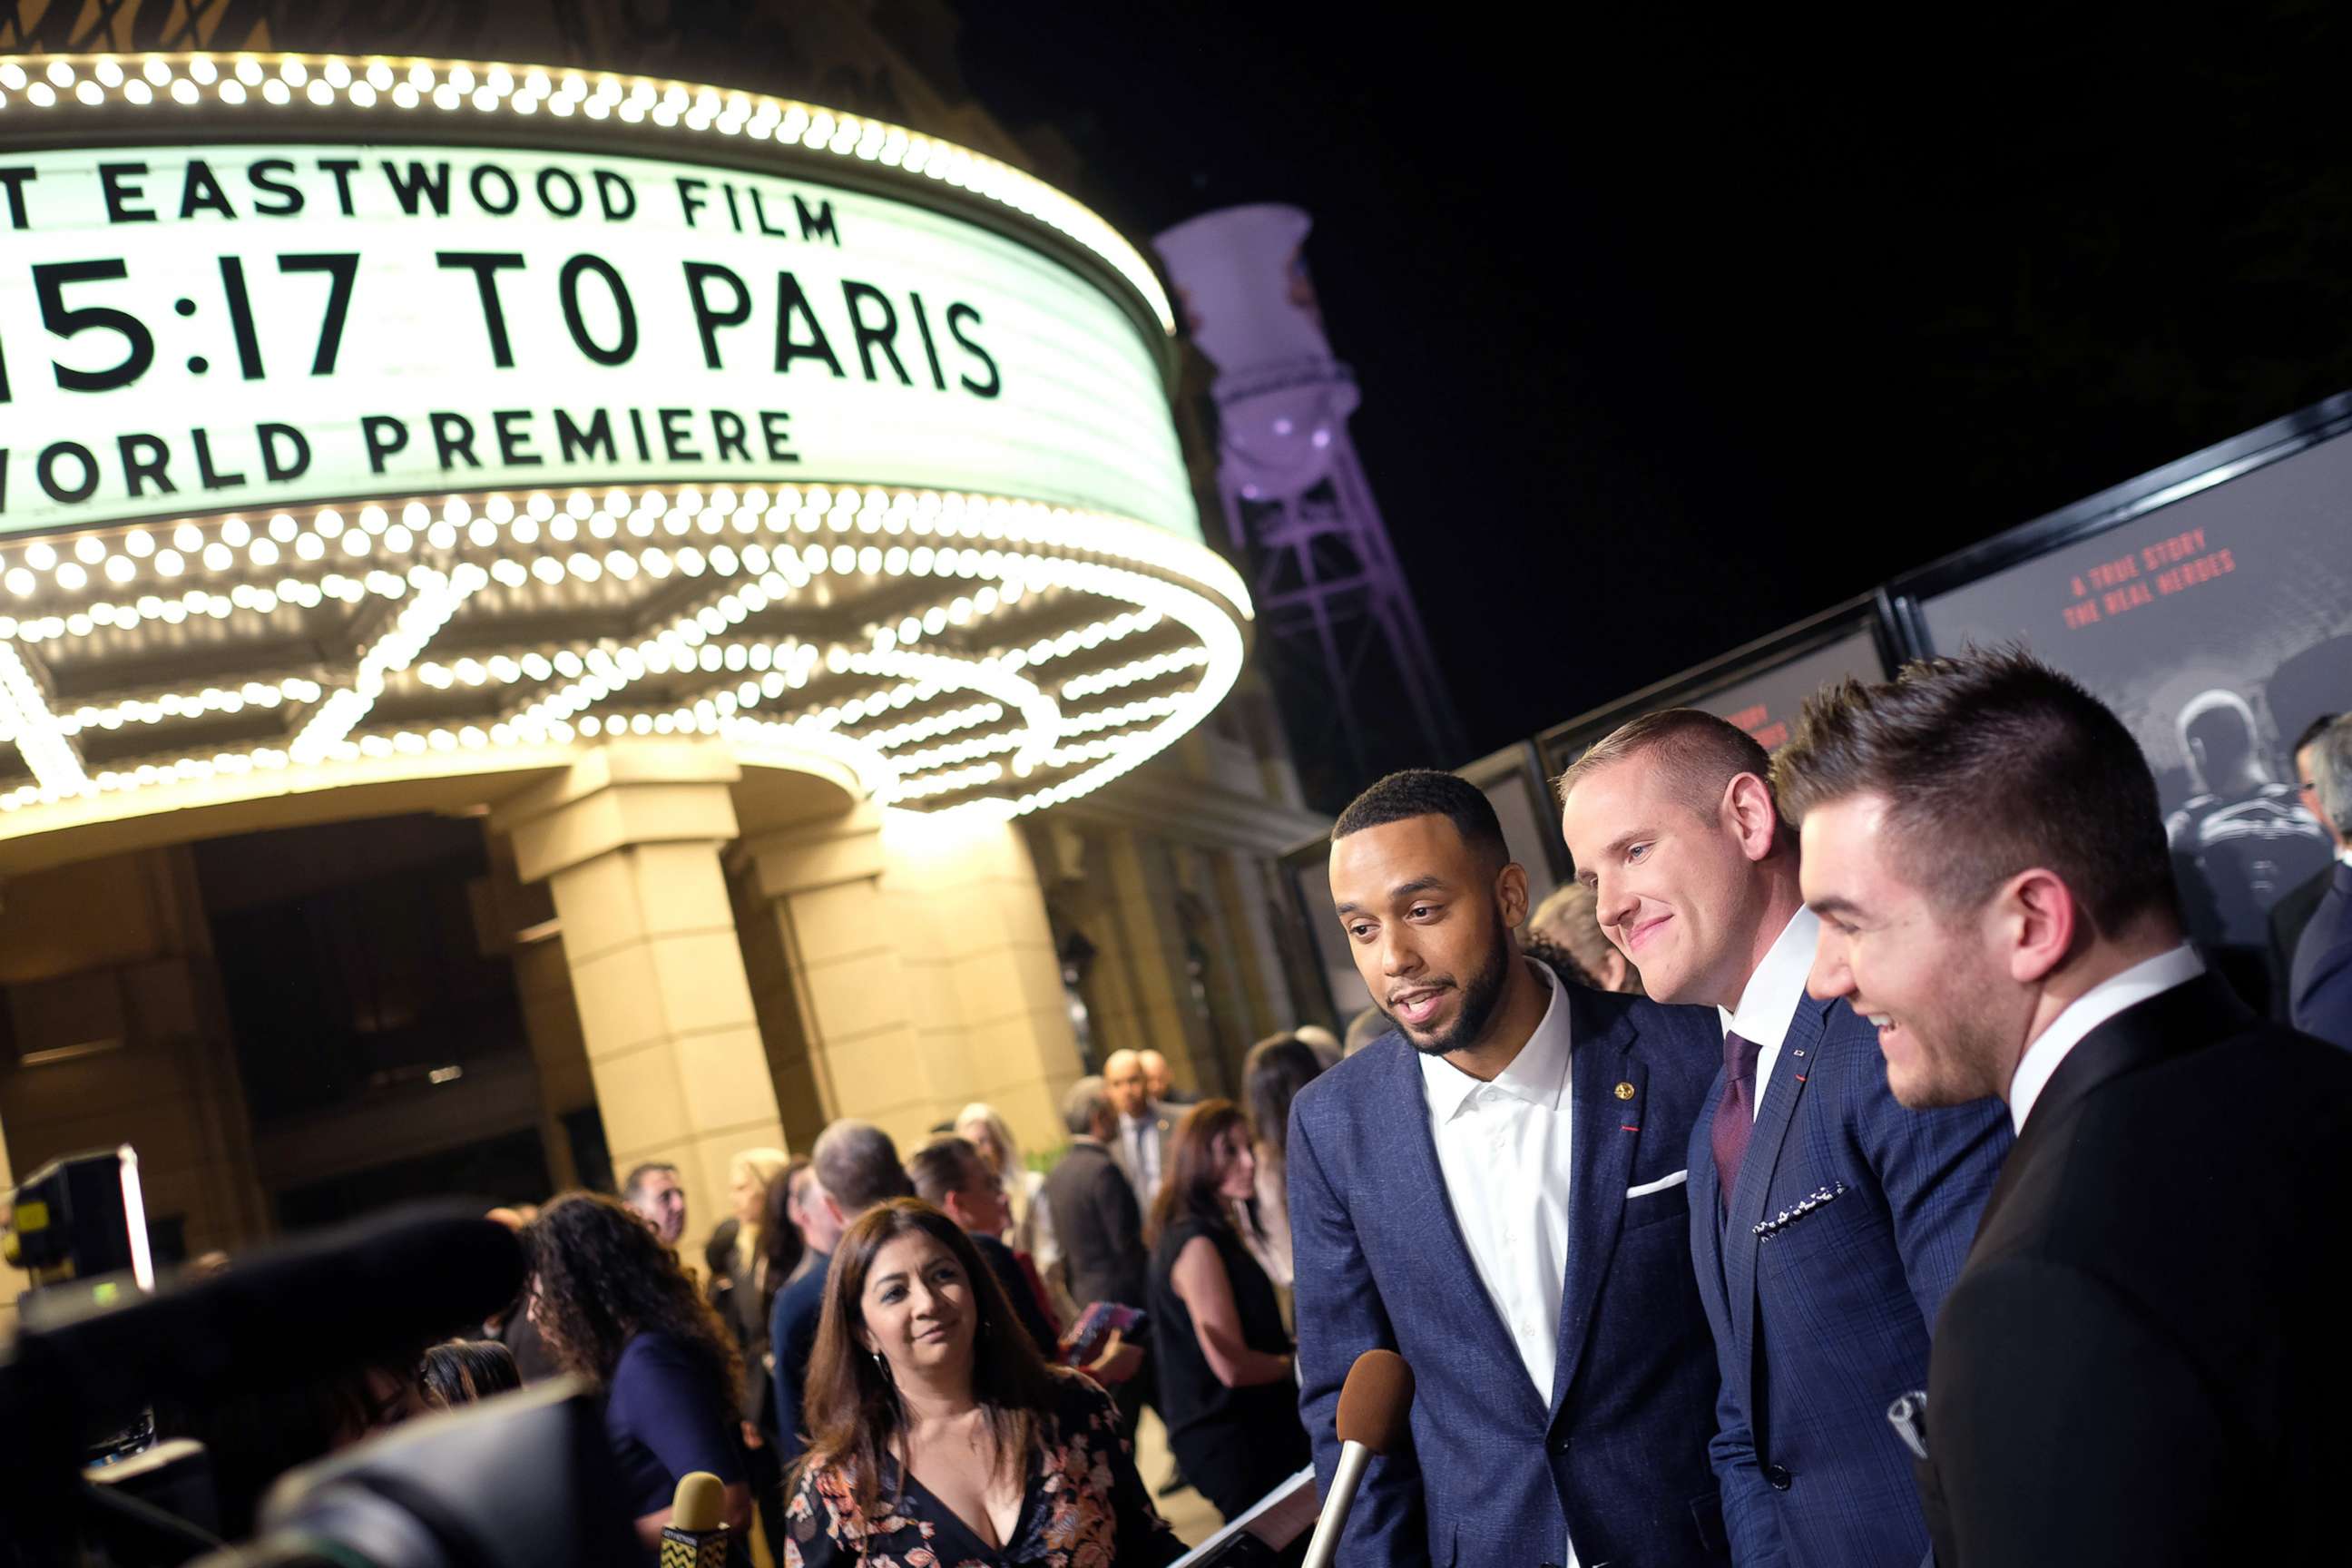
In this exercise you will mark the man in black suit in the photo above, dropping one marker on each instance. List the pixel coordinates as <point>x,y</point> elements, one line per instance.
<point>2297,904</point>
<point>2320,992</point>
<point>1095,1212</point>
<point>1099,1225</point>
<point>2142,1361</point>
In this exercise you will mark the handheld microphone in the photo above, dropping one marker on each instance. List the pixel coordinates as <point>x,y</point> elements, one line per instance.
<point>1375,1405</point>
<point>695,1537</point>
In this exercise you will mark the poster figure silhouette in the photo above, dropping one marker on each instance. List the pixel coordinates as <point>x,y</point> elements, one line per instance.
<point>2242,838</point>
<point>2216,626</point>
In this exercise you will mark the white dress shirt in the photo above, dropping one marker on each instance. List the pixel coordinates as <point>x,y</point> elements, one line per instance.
<point>2087,1012</point>
<point>1768,1004</point>
<point>1141,1138</point>
<point>1503,1147</point>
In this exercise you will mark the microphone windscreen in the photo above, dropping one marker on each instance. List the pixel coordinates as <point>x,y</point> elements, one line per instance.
<point>698,1504</point>
<point>1376,1400</point>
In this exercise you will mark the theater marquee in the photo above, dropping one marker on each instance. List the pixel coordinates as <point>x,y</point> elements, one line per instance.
<point>255,325</point>
<point>361,416</point>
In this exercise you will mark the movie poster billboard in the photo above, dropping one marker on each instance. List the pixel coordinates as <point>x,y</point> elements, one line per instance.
<point>2217,625</point>
<point>1760,688</point>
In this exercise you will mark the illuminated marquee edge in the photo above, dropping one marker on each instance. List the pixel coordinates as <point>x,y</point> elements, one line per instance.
<point>452,545</point>
<point>61,85</point>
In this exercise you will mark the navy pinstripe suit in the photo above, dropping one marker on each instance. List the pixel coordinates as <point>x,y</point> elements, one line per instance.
<point>1823,1318</point>
<point>1497,1477</point>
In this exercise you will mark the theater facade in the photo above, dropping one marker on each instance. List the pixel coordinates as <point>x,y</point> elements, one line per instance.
<point>753,544</point>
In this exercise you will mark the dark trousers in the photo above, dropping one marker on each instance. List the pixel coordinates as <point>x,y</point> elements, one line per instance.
<point>764,1470</point>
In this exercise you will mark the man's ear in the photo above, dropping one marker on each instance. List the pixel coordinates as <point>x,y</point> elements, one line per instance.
<point>2036,920</point>
<point>1511,893</point>
<point>1754,817</point>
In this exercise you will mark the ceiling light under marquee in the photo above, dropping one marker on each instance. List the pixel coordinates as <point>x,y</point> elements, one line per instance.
<point>1018,749</point>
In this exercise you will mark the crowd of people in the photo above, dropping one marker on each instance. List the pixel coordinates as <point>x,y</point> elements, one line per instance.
<point>887,1352</point>
<point>1855,1165</point>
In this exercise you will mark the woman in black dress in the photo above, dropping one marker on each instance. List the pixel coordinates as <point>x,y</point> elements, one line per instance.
<point>940,1438</point>
<point>1227,1383</point>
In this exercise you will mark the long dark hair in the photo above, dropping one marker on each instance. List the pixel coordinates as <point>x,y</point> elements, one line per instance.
<point>1273,1072</point>
<point>459,1371</point>
<point>853,1407</point>
<point>602,1276</point>
<point>1189,1190</point>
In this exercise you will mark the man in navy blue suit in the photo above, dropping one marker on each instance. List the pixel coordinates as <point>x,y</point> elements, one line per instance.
<point>1827,1222</point>
<point>1494,1190</point>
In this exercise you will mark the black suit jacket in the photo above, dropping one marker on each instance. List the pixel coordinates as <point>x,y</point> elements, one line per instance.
<point>1099,1226</point>
<point>2288,916</point>
<point>2143,1362</point>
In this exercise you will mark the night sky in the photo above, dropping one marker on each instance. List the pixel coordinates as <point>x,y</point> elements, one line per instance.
<point>1670,335</point>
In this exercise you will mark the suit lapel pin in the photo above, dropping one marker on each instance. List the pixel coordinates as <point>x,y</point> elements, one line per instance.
<point>1767,1229</point>
<point>1624,1091</point>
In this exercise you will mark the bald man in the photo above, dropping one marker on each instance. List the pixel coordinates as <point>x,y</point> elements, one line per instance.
<point>1156,1078</point>
<point>1139,1144</point>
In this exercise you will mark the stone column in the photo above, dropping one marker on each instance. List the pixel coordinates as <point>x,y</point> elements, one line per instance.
<point>917,973</point>
<point>628,840</point>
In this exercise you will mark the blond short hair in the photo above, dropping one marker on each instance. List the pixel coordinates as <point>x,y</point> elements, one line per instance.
<point>1570,916</point>
<point>1701,753</point>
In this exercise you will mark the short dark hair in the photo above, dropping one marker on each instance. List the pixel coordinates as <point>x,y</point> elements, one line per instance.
<point>1990,763</point>
<point>944,1165</point>
<point>2311,732</point>
<point>1701,753</point>
<point>635,1182</point>
<point>459,1371</point>
<point>1427,792</point>
<point>859,1164</point>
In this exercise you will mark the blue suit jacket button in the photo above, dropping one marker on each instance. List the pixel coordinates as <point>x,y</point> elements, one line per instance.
<point>1777,1475</point>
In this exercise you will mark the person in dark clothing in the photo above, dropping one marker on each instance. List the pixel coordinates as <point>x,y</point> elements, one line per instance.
<point>1228,1385</point>
<point>2142,1360</point>
<point>2293,912</point>
<point>1101,1227</point>
<point>615,1308</point>
<point>750,1255</point>
<point>1102,1239</point>
<point>853,1167</point>
<point>950,1176</point>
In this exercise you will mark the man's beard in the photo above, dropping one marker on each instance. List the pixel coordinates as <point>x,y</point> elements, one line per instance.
<point>1480,997</point>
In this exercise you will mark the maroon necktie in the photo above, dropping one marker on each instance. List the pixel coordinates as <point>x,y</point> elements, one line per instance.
<point>1735,1116</point>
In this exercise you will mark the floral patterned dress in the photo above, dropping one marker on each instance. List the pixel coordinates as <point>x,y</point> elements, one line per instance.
<point>1084,1507</point>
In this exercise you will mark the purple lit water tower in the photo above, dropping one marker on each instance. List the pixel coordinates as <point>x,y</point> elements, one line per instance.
<point>1359,689</point>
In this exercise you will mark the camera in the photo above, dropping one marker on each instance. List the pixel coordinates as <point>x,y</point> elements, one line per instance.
<point>142,1419</point>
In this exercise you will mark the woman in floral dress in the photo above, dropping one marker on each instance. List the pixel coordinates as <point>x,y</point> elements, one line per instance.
<point>939,1437</point>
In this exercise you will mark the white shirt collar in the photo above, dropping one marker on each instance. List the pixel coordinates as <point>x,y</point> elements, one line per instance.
<point>2344,855</point>
<point>2087,1012</point>
<point>1538,1074</point>
<point>1768,1003</point>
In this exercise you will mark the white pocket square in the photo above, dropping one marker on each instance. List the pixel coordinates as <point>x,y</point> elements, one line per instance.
<point>1660,1185</point>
